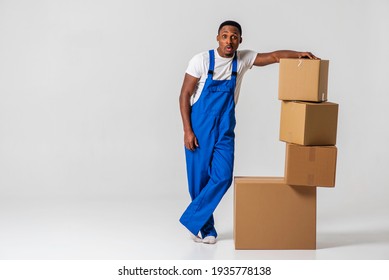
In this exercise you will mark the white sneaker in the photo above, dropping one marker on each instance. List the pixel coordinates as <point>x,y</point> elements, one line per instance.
<point>196,238</point>
<point>209,239</point>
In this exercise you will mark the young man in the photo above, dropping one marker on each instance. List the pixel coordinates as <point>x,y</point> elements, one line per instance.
<point>208,96</point>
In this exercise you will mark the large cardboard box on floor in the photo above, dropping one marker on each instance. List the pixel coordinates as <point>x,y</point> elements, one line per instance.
<point>310,165</point>
<point>303,79</point>
<point>309,123</point>
<point>271,215</point>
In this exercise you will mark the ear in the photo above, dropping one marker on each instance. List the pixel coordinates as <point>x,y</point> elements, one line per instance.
<point>241,39</point>
<point>217,37</point>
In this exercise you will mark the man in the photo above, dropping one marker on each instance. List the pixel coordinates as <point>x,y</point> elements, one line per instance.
<point>208,96</point>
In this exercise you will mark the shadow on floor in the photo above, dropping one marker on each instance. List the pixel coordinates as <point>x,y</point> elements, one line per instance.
<point>327,240</point>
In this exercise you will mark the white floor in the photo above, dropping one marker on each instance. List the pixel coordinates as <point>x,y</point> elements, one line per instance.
<point>148,228</point>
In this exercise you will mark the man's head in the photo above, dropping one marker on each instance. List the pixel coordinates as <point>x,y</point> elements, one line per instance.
<point>231,23</point>
<point>229,37</point>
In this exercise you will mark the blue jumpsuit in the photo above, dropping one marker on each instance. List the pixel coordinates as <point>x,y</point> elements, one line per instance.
<point>210,166</point>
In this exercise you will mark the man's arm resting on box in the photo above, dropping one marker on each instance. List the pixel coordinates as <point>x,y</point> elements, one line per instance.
<point>263,59</point>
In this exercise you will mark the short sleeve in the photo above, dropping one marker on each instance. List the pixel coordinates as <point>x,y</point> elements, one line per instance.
<point>248,58</point>
<point>196,66</point>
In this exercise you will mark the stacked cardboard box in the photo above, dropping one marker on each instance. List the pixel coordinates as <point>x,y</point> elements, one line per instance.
<point>308,123</point>
<point>280,213</point>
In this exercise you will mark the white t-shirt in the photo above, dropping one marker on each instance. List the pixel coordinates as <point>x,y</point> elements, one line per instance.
<point>199,65</point>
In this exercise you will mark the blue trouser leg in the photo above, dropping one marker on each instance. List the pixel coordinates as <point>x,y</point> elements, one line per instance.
<point>209,228</point>
<point>209,173</point>
<point>199,160</point>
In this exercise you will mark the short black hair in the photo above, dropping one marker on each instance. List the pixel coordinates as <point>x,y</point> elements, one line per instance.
<point>232,23</point>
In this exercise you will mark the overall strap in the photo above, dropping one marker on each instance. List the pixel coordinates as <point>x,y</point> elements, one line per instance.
<point>211,63</point>
<point>235,66</point>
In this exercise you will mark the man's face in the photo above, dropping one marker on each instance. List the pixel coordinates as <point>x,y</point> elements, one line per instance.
<point>229,39</point>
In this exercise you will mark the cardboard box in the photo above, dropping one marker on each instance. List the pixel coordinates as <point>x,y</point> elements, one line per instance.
<point>308,123</point>
<point>303,79</point>
<point>310,165</point>
<point>270,215</point>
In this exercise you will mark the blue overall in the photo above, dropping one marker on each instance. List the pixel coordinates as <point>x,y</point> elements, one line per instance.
<point>210,166</point>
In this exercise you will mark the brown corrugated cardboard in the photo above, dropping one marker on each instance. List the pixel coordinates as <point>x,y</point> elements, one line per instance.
<point>303,79</point>
<point>270,215</point>
<point>309,123</point>
<point>310,165</point>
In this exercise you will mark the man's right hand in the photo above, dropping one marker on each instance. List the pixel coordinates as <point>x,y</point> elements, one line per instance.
<point>190,141</point>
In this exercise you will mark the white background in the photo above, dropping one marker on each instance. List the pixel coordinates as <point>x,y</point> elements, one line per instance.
<point>89,96</point>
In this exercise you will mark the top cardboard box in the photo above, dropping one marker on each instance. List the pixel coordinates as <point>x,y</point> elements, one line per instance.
<point>303,79</point>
